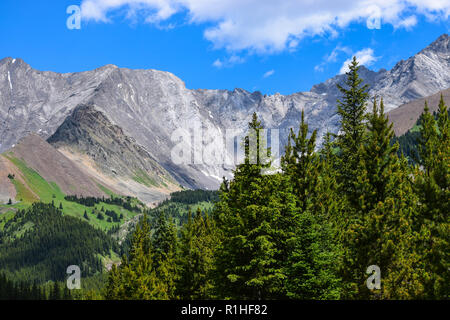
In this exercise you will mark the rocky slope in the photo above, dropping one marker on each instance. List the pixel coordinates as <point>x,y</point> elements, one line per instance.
<point>88,134</point>
<point>421,75</point>
<point>406,116</point>
<point>155,107</point>
<point>35,153</point>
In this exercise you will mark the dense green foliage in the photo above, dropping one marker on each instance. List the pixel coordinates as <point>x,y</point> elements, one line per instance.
<point>409,142</point>
<point>432,188</point>
<point>13,290</point>
<point>39,243</point>
<point>124,202</point>
<point>194,196</point>
<point>177,208</point>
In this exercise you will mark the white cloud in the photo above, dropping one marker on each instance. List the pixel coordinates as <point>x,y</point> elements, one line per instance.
<point>407,23</point>
<point>267,26</point>
<point>228,62</point>
<point>332,57</point>
<point>365,57</point>
<point>268,73</point>
<point>218,63</point>
<point>155,11</point>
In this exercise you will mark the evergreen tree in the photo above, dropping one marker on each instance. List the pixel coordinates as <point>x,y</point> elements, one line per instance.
<point>432,186</point>
<point>135,278</point>
<point>329,201</point>
<point>164,253</point>
<point>380,230</point>
<point>246,265</point>
<point>301,164</point>
<point>197,244</point>
<point>351,110</point>
<point>311,271</point>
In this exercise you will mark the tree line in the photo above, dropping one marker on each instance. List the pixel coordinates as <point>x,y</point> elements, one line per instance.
<point>39,243</point>
<point>92,201</point>
<point>22,290</point>
<point>194,196</point>
<point>408,142</point>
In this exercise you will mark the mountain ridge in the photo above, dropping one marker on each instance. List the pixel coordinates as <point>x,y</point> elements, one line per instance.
<point>150,105</point>
<point>114,157</point>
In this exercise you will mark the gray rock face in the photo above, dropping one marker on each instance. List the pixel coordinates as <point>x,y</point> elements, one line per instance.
<point>33,101</point>
<point>423,74</point>
<point>89,132</point>
<point>151,105</point>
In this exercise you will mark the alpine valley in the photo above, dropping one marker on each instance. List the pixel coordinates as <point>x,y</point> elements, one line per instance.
<point>84,155</point>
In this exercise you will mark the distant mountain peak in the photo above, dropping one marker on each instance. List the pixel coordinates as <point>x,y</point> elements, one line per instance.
<point>441,44</point>
<point>14,61</point>
<point>88,133</point>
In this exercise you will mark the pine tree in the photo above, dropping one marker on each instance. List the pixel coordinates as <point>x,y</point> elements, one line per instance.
<point>432,186</point>
<point>380,231</point>
<point>351,110</point>
<point>378,156</point>
<point>246,265</point>
<point>329,202</point>
<point>165,247</point>
<point>197,243</point>
<point>301,164</point>
<point>135,278</point>
<point>311,271</point>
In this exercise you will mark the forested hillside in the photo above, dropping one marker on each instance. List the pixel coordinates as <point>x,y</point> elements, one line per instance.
<point>409,142</point>
<point>177,210</point>
<point>39,243</point>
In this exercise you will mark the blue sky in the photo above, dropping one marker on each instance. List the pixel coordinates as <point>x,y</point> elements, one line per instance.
<point>280,46</point>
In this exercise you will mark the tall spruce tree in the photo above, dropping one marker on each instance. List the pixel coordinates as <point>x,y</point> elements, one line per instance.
<point>197,243</point>
<point>351,109</point>
<point>380,230</point>
<point>165,246</point>
<point>432,186</point>
<point>301,163</point>
<point>136,278</point>
<point>246,264</point>
<point>311,270</point>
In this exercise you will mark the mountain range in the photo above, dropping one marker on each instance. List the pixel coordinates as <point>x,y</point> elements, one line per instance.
<point>114,127</point>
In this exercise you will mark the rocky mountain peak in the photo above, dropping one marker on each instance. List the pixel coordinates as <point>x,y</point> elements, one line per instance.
<point>89,132</point>
<point>440,45</point>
